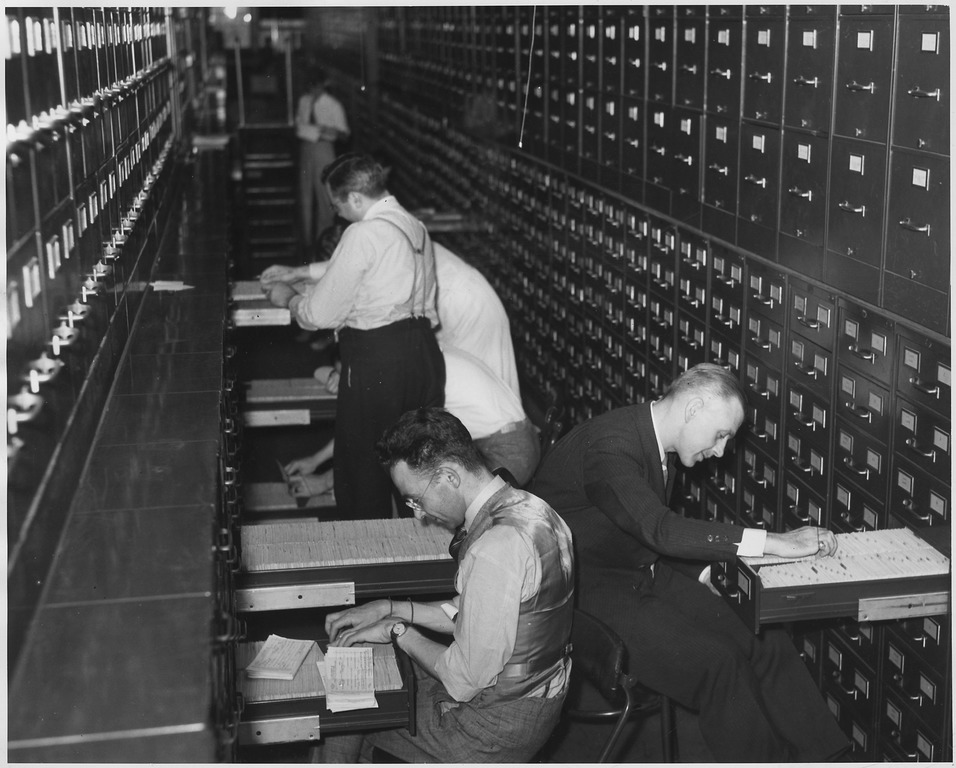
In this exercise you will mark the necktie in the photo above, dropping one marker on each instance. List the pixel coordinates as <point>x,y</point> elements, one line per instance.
<point>456,542</point>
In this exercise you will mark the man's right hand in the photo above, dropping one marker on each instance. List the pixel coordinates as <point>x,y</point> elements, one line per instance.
<point>810,540</point>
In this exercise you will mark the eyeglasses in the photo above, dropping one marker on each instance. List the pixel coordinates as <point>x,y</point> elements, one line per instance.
<point>414,503</point>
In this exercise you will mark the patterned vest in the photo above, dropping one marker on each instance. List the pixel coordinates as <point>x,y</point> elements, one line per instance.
<point>544,621</point>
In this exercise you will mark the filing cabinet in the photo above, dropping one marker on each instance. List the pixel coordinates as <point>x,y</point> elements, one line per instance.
<point>866,342</point>
<point>809,78</point>
<point>758,184</point>
<point>633,116</point>
<point>863,403</point>
<point>611,140</point>
<point>864,77</point>
<point>724,66</point>
<point>685,165</point>
<point>591,38</point>
<point>923,437</point>
<point>855,230</point>
<point>721,488</point>
<point>917,231</point>
<point>687,496</point>
<point>759,493</point>
<point>689,72</point>
<point>922,105</point>
<point>803,505</point>
<point>924,372</point>
<point>861,459</point>
<point>721,152</point>
<point>764,52</point>
<point>851,681</point>
<point>813,313</point>
<point>612,52</point>
<point>661,127</point>
<point>660,59</point>
<point>803,209</point>
<point>917,497</point>
<point>918,684</point>
<point>635,58</point>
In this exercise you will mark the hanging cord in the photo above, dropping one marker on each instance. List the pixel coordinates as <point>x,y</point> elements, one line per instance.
<point>527,88</point>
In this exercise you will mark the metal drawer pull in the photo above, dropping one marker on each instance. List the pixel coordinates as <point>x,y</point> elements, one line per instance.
<point>758,76</point>
<point>846,205</point>
<point>926,389</point>
<point>865,472</point>
<point>910,506</point>
<point>860,411</point>
<point>918,93</point>
<point>908,224</point>
<point>863,354</point>
<point>808,322</point>
<point>762,182</point>
<point>855,86</point>
<point>725,73</point>
<point>911,443</point>
<point>722,169</point>
<point>684,159</point>
<point>814,81</point>
<point>689,68</point>
<point>807,194</point>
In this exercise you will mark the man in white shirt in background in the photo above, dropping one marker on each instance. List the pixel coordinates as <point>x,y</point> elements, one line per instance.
<point>319,122</point>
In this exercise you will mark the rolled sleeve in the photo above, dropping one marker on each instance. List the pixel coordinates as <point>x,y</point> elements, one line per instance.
<point>493,574</point>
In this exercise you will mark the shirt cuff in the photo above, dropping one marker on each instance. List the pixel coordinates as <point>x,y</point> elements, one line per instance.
<point>317,270</point>
<point>752,542</point>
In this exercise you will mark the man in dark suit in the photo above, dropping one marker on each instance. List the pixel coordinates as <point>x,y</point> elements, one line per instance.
<point>609,479</point>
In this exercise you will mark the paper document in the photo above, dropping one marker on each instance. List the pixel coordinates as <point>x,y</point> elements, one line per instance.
<point>279,658</point>
<point>349,682</point>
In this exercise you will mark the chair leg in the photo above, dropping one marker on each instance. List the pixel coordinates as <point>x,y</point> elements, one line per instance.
<point>667,730</point>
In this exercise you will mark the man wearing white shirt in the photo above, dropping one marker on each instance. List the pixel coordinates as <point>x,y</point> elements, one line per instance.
<point>319,122</point>
<point>378,292</point>
<point>607,478</point>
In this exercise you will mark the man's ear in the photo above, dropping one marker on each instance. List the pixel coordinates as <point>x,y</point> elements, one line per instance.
<point>454,479</point>
<point>693,405</point>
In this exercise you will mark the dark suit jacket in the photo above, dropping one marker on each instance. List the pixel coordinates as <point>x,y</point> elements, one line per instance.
<point>605,479</point>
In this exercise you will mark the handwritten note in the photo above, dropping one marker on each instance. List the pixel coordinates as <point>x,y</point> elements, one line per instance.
<point>349,680</point>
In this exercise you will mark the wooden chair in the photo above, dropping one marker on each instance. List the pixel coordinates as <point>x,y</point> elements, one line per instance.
<point>599,658</point>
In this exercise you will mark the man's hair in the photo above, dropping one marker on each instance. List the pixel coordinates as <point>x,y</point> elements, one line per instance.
<point>355,172</point>
<point>426,438</point>
<point>708,379</point>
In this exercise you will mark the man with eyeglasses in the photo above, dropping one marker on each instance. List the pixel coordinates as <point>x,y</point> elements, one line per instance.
<point>495,693</point>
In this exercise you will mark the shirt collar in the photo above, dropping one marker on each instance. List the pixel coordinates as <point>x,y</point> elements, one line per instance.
<point>375,207</point>
<point>660,447</point>
<point>478,502</point>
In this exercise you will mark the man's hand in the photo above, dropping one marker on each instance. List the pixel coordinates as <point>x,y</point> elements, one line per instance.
<point>802,542</point>
<point>278,273</point>
<point>280,294</point>
<point>379,632</point>
<point>353,619</point>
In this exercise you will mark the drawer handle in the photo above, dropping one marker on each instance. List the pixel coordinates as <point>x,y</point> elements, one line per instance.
<point>730,592</point>
<point>908,224</point>
<point>803,420</point>
<point>863,354</point>
<point>846,205</point>
<point>795,511</point>
<point>684,159</point>
<point>911,507</point>
<point>661,65</point>
<point>801,80</point>
<point>689,68</point>
<point>926,389</point>
<point>855,86</point>
<point>760,182</point>
<point>864,472</point>
<point>725,73</point>
<point>765,345</point>
<point>805,468</point>
<point>757,76</point>
<point>807,194</point>
<point>659,150</point>
<point>860,411</point>
<point>722,169</point>
<point>914,446</point>
<point>808,323</point>
<point>808,370</point>
<point>918,93</point>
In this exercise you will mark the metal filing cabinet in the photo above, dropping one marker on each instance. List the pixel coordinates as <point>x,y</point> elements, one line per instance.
<point>809,79</point>
<point>689,71</point>
<point>685,165</point>
<point>721,148</point>
<point>661,130</point>
<point>724,66</point>
<point>758,184</point>
<point>864,77</point>
<point>726,308</point>
<point>764,52</point>
<point>633,117</point>
<point>803,208</point>
<point>855,232</point>
<point>635,59</point>
<point>921,109</point>
<point>850,686</point>
<point>917,238</point>
<point>660,59</point>
<point>612,51</point>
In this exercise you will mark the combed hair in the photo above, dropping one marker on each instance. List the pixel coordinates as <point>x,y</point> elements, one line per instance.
<point>710,379</point>
<point>354,172</point>
<point>425,439</point>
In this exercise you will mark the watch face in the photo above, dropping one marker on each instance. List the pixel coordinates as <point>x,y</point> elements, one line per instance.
<point>398,629</point>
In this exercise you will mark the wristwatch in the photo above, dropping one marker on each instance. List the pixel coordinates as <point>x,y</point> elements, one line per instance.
<point>398,629</point>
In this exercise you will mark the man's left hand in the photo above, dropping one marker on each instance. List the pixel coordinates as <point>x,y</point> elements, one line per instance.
<point>379,632</point>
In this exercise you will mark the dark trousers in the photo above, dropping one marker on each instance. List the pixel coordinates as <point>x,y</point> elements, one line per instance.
<point>385,372</point>
<point>755,697</point>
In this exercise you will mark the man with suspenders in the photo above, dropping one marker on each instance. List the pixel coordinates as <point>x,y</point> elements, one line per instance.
<point>378,292</point>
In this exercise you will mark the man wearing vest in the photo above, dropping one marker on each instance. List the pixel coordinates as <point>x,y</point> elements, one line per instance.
<point>495,693</point>
<point>378,292</point>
